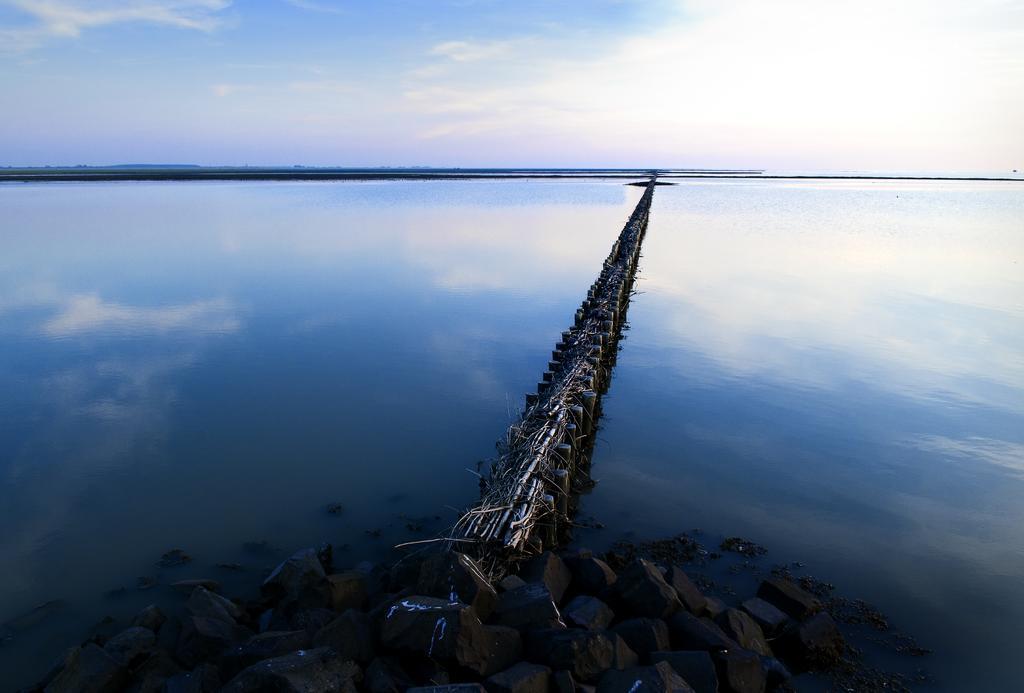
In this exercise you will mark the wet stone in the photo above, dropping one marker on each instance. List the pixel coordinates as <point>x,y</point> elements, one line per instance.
<point>590,575</point>
<point>766,615</point>
<point>151,617</point>
<point>131,645</point>
<point>206,604</point>
<point>89,668</point>
<point>739,671</point>
<point>457,578</point>
<point>204,638</point>
<point>551,570</point>
<point>687,632</point>
<point>152,674</point>
<point>644,635</point>
<point>691,597</point>
<point>299,579</point>
<point>815,643</point>
<point>528,607</point>
<point>642,591</point>
<point>350,635</point>
<point>586,654</point>
<point>260,647</point>
<point>520,678</point>
<point>787,596</point>
<point>305,671</point>
<point>587,612</point>
<point>696,668</point>
<point>739,626</point>
<point>657,678</point>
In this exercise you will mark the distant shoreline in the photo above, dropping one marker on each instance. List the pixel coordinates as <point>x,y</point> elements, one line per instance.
<point>113,174</point>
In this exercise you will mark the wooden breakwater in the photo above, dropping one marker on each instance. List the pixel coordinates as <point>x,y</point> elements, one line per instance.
<point>527,500</point>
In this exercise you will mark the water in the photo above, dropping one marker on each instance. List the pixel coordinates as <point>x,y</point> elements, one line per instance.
<point>835,370</point>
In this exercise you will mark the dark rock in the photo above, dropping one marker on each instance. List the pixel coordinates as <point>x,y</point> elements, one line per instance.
<point>347,590</point>
<point>624,657</point>
<point>549,569</point>
<point>511,582</point>
<point>152,674</point>
<point>587,612</point>
<point>325,554</point>
<point>438,629</point>
<point>386,675</point>
<point>172,558</point>
<point>204,638</point>
<point>189,585</point>
<point>311,620</point>
<point>739,626</point>
<point>151,617</point>
<point>350,635</point>
<point>590,575</point>
<point>713,607</point>
<point>203,679</point>
<point>89,669</point>
<point>644,635</point>
<point>775,672</point>
<point>771,619</point>
<point>528,607</point>
<point>689,595</point>
<point>335,508</point>
<point>262,646</point>
<point>299,579</point>
<point>814,644</point>
<point>642,591</point>
<point>687,632</point>
<point>658,678</point>
<point>305,671</point>
<point>739,671</point>
<point>104,629</point>
<point>789,597</point>
<point>450,688</point>
<point>131,645</point>
<point>206,604</point>
<point>457,578</point>
<point>145,582</point>
<point>587,654</point>
<point>563,682</point>
<point>696,668</point>
<point>504,647</point>
<point>521,678</point>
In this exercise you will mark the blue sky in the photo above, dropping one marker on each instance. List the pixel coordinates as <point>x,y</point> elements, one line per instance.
<point>914,84</point>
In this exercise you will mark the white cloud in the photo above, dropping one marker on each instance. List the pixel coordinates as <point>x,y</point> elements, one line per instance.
<point>89,313</point>
<point>472,51</point>
<point>69,18</point>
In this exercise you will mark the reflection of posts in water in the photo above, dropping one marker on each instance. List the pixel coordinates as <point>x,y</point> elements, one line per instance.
<point>526,502</point>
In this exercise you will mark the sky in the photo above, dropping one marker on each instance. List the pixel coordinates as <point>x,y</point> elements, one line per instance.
<point>887,85</point>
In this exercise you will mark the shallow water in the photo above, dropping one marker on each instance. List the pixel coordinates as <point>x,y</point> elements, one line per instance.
<point>834,370</point>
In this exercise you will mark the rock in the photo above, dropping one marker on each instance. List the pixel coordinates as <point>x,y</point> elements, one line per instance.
<point>814,644</point>
<point>642,591</point>
<point>696,668</point>
<point>590,575</point>
<point>457,578</point>
<point>305,671</point>
<point>311,620</point>
<point>152,674</point>
<point>689,595</point>
<point>172,558</point>
<point>644,635</point>
<point>350,635</point>
<point>587,654</point>
<point>587,612</point>
<point>563,682</point>
<point>713,607</point>
<point>206,604</point>
<point>89,669</point>
<point>151,617</point>
<point>347,590</point>
<point>204,638</point>
<point>386,675</point>
<point>788,597</point>
<point>203,679</point>
<point>739,671</point>
<point>549,569</point>
<point>299,579</point>
<point>658,678</point>
<point>739,626</point>
<point>775,672</point>
<point>325,554</point>
<point>624,657</point>
<point>438,629</point>
<point>528,607</point>
<point>131,645</point>
<point>189,585</point>
<point>504,647</point>
<point>511,582</point>
<point>266,645</point>
<point>521,678</point>
<point>687,632</point>
<point>771,619</point>
<point>450,688</point>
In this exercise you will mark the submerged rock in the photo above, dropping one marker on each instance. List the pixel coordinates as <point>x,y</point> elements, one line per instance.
<point>787,596</point>
<point>174,557</point>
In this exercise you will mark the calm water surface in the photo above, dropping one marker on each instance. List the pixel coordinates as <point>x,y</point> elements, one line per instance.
<point>833,370</point>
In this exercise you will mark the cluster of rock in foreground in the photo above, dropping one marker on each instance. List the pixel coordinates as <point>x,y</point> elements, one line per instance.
<point>565,623</point>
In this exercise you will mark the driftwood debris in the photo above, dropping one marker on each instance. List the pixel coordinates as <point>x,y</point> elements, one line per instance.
<point>528,497</point>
